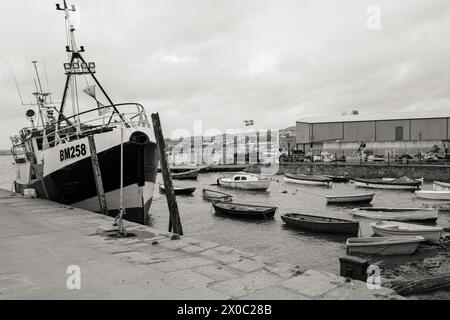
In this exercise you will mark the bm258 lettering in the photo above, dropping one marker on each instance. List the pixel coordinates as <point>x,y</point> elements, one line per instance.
<point>72,152</point>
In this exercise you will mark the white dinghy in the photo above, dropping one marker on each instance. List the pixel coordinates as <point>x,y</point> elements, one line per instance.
<point>441,186</point>
<point>384,245</point>
<point>397,214</point>
<point>393,228</point>
<point>245,181</point>
<point>433,195</point>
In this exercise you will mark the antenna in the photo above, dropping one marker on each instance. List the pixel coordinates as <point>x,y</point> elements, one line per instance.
<point>15,80</point>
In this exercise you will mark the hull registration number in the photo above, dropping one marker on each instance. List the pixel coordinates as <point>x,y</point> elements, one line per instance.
<point>72,152</point>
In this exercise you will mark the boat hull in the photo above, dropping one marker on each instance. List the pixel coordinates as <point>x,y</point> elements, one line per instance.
<point>179,191</point>
<point>188,175</point>
<point>307,182</point>
<point>357,199</point>
<point>384,245</point>
<point>268,213</point>
<point>432,234</point>
<point>370,185</point>
<point>312,223</point>
<point>261,185</point>
<point>434,195</point>
<point>412,215</point>
<point>74,184</point>
<point>441,186</point>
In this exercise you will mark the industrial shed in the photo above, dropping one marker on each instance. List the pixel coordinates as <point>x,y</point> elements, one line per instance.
<point>384,132</point>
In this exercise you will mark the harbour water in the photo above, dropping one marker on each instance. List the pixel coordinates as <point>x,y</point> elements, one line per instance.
<point>272,238</point>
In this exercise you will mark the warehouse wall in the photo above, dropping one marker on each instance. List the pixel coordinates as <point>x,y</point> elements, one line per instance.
<point>326,131</point>
<point>386,129</point>
<point>429,129</point>
<point>359,131</point>
<point>302,132</point>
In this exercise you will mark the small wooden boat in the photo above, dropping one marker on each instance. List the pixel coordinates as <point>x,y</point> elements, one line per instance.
<point>307,179</point>
<point>393,228</point>
<point>178,190</point>
<point>384,245</point>
<point>433,195</point>
<point>321,224</point>
<point>351,198</point>
<point>191,174</point>
<point>245,181</point>
<point>441,186</point>
<point>216,196</point>
<point>421,180</point>
<point>344,178</point>
<point>403,183</point>
<point>397,214</point>
<point>248,211</point>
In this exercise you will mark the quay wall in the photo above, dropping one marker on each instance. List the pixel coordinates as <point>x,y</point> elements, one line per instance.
<point>370,171</point>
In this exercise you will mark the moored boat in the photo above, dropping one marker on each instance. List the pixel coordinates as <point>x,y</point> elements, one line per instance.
<point>248,211</point>
<point>351,198</point>
<point>307,179</point>
<point>178,190</point>
<point>441,186</point>
<point>67,151</point>
<point>191,175</point>
<point>384,245</point>
<point>397,214</point>
<point>343,178</point>
<point>321,224</point>
<point>245,181</point>
<point>216,196</point>
<point>433,195</point>
<point>403,183</point>
<point>394,228</point>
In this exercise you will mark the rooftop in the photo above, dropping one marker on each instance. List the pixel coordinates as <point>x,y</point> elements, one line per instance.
<point>377,116</point>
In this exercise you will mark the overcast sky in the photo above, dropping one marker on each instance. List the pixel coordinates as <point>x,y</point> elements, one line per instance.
<point>225,61</point>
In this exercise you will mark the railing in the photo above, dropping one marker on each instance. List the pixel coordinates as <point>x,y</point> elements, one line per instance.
<point>73,127</point>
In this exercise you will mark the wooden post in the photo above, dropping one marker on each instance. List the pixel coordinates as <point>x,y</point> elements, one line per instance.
<point>97,176</point>
<point>174,218</point>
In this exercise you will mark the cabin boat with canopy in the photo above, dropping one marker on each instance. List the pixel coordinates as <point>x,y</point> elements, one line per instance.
<point>53,155</point>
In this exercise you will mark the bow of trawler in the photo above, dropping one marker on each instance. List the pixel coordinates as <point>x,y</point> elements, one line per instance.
<point>59,166</point>
<point>103,159</point>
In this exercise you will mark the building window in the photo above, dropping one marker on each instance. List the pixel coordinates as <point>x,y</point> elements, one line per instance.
<point>398,133</point>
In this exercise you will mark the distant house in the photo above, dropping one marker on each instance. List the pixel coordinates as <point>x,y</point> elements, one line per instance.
<point>382,132</point>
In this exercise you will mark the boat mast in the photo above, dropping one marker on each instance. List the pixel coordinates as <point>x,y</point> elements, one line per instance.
<point>41,101</point>
<point>77,65</point>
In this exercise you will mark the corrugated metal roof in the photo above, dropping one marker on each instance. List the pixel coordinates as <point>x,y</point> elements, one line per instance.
<point>377,116</point>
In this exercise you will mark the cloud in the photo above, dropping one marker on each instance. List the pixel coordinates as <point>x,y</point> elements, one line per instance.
<point>225,61</point>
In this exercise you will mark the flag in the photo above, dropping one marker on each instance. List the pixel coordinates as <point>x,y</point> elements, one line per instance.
<point>248,123</point>
<point>90,91</point>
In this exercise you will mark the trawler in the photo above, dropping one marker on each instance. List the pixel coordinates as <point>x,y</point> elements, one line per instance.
<point>102,158</point>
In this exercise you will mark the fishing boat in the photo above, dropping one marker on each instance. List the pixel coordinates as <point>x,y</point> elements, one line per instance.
<point>393,228</point>
<point>433,195</point>
<point>321,224</point>
<point>343,178</point>
<point>75,156</point>
<point>397,214</point>
<point>403,183</point>
<point>178,190</point>
<point>307,179</point>
<point>441,186</point>
<point>384,245</point>
<point>248,211</point>
<point>191,175</point>
<point>216,196</point>
<point>245,181</point>
<point>351,198</point>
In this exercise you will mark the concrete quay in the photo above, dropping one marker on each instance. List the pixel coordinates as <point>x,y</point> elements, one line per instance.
<point>40,239</point>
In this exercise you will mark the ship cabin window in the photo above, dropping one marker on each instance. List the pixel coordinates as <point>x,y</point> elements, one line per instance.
<point>39,143</point>
<point>237,178</point>
<point>244,178</point>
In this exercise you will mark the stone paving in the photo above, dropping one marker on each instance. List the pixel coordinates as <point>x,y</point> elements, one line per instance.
<point>40,238</point>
